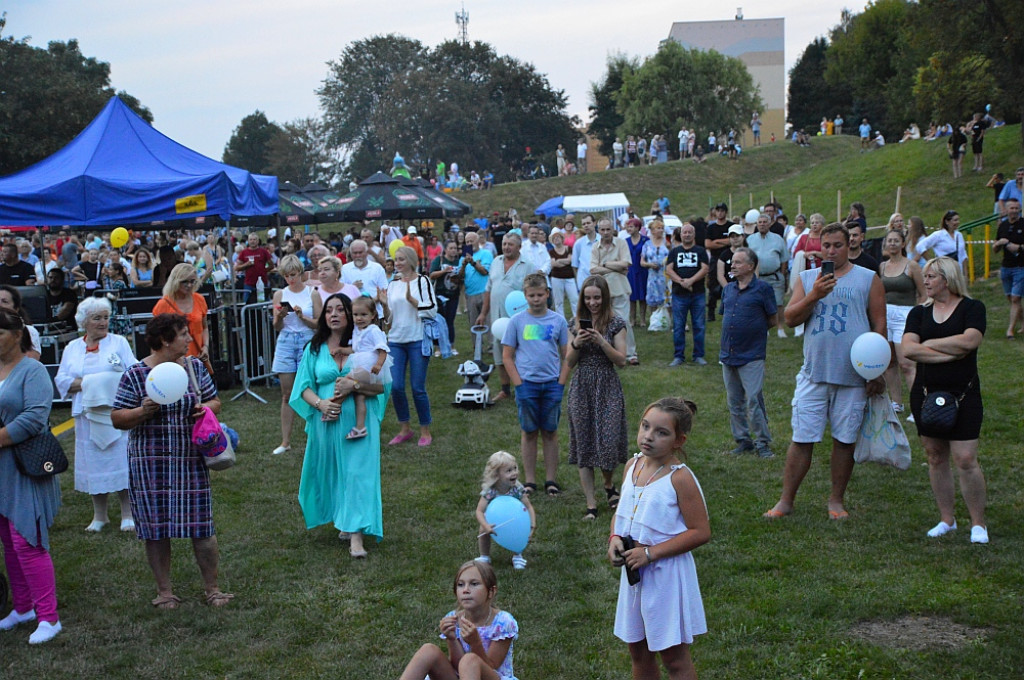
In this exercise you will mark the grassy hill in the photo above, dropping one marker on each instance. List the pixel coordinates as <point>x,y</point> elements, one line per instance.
<point>810,176</point>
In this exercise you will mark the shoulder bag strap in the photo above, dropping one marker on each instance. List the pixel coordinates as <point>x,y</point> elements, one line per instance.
<point>430,293</point>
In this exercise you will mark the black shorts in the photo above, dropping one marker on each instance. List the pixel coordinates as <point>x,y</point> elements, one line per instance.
<point>968,420</point>
<point>976,146</point>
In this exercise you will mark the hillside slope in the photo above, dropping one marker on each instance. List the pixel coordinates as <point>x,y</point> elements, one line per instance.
<point>813,174</point>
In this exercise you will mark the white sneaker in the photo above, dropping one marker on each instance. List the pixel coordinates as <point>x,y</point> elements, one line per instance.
<point>44,633</point>
<point>941,529</point>
<point>897,407</point>
<point>910,418</point>
<point>14,619</point>
<point>782,333</point>
<point>979,534</point>
<point>483,558</point>
<point>128,525</point>
<point>518,562</point>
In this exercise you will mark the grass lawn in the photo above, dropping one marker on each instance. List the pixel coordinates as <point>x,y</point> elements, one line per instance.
<point>784,600</point>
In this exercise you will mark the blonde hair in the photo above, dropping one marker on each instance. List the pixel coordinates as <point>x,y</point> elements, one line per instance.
<point>180,272</point>
<point>290,264</point>
<point>497,460</point>
<point>950,270</point>
<point>409,255</point>
<point>331,261</point>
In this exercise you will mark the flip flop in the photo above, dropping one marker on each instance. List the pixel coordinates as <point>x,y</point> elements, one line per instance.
<point>774,514</point>
<point>166,602</point>
<point>840,515</point>
<point>218,599</point>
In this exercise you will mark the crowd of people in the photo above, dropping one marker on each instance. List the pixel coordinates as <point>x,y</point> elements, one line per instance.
<point>357,313</point>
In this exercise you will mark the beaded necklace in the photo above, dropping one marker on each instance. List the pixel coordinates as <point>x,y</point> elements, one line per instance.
<point>636,497</point>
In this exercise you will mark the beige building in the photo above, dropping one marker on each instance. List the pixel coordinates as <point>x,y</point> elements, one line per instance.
<point>758,43</point>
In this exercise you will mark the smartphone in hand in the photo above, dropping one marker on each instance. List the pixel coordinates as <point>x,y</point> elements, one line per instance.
<point>828,267</point>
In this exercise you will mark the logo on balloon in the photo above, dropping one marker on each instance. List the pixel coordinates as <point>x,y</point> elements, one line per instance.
<point>870,355</point>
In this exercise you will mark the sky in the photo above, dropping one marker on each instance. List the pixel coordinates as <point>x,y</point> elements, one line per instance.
<point>202,65</point>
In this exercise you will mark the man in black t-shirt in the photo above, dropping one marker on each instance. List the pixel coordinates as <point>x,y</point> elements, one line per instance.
<point>715,241</point>
<point>13,271</point>
<point>60,301</point>
<point>772,209</point>
<point>687,268</point>
<point>1010,239</point>
<point>737,239</point>
<point>857,254</point>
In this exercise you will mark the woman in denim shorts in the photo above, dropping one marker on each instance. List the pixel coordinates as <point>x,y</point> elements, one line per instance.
<point>296,310</point>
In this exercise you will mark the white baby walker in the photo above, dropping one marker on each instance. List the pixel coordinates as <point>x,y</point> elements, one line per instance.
<point>475,393</point>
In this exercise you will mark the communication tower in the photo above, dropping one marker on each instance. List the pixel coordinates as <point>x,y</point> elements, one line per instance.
<point>462,19</point>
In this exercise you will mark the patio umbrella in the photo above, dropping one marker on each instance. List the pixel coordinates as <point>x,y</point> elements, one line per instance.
<point>550,207</point>
<point>380,197</point>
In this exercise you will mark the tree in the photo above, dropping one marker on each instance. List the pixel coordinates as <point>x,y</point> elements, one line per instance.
<point>810,95</point>
<point>249,146</point>
<point>605,119</point>
<point>950,87</point>
<point>709,90</point>
<point>459,102</point>
<point>47,97</point>
<point>866,55</point>
<point>300,153</point>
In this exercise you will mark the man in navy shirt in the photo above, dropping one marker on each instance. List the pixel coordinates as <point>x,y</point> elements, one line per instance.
<point>749,313</point>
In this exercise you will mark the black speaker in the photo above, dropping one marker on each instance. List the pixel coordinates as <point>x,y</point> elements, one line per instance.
<point>223,376</point>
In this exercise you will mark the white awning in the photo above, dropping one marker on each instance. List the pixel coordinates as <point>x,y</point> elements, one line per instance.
<point>595,203</point>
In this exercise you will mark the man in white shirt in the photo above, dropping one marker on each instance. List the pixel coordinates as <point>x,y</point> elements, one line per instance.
<point>536,253</point>
<point>364,273</point>
<point>581,156</point>
<point>582,248</point>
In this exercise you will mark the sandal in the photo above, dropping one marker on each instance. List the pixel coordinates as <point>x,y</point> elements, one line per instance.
<point>613,496</point>
<point>356,433</point>
<point>166,602</point>
<point>590,514</point>
<point>218,599</point>
<point>552,488</point>
<point>530,488</point>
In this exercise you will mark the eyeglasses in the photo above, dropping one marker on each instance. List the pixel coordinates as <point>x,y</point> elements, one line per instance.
<point>190,282</point>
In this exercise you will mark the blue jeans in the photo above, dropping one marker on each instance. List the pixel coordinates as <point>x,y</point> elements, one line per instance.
<point>411,354</point>
<point>695,305</point>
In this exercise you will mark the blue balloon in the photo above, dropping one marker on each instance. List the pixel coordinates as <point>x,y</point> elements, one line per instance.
<point>511,521</point>
<point>515,302</point>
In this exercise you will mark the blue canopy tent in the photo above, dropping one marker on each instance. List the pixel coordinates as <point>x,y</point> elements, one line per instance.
<point>551,207</point>
<point>121,170</point>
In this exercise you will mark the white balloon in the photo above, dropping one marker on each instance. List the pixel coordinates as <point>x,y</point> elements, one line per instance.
<point>870,355</point>
<point>167,383</point>
<point>498,328</point>
<point>751,216</point>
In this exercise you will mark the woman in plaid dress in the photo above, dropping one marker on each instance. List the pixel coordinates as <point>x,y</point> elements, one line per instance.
<point>169,485</point>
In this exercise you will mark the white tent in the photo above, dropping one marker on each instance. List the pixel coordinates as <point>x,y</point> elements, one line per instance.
<point>595,203</point>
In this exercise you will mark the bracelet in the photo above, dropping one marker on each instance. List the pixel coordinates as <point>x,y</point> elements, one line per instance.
<point>573,343</point>
<point>611,536</point>
<point>647,552</point>
<point>316,404</point>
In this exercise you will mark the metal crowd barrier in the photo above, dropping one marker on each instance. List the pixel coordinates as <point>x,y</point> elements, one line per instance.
<point>255,339</point>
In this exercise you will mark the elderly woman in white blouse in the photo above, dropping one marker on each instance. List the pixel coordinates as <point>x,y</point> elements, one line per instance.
<point>90,370</point>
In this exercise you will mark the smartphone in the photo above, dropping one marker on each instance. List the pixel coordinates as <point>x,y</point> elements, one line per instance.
<point>586,324</point>
<point>286,305</point>
<point>828,267</point>
<point>632,575</point>
<point>467,251</point>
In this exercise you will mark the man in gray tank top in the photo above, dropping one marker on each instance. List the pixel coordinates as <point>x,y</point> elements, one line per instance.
<point>837,309</point>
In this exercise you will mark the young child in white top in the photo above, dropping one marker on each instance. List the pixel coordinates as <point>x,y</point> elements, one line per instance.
<point>501,478</point>
<point>369,361</point>
<point>663,512</point>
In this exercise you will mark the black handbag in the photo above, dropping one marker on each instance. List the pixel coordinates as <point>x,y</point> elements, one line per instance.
<point>940,409</point>
<point>40,456</point>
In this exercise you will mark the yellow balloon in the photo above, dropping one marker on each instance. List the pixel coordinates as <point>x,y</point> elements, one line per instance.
<point>119,237</point>
<point>393,248</point>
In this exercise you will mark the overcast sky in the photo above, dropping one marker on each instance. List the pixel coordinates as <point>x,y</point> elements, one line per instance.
<point>201,66</point>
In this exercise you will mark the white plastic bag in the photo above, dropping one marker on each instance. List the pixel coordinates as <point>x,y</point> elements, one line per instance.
<point>659,320</point>
<point>882,439</point>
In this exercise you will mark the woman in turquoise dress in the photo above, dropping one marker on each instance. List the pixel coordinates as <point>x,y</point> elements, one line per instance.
<point>340,480</point>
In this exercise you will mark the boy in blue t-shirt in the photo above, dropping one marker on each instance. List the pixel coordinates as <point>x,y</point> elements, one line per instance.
<point>533,352</point>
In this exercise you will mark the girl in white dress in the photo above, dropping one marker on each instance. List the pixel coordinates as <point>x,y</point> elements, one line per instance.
<point>369,356</point>
<point>663,512</point>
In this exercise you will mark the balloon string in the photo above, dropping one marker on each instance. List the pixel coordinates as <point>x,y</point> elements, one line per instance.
<point>496,526</point>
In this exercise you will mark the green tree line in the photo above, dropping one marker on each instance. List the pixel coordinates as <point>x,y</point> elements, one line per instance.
<point>899,62</point>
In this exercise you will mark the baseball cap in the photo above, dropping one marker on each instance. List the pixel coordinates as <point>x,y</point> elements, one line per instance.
<point>735,229</point>
<point>411,230</point>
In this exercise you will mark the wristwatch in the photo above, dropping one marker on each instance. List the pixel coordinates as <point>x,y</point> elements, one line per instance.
<point>356,387</point>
